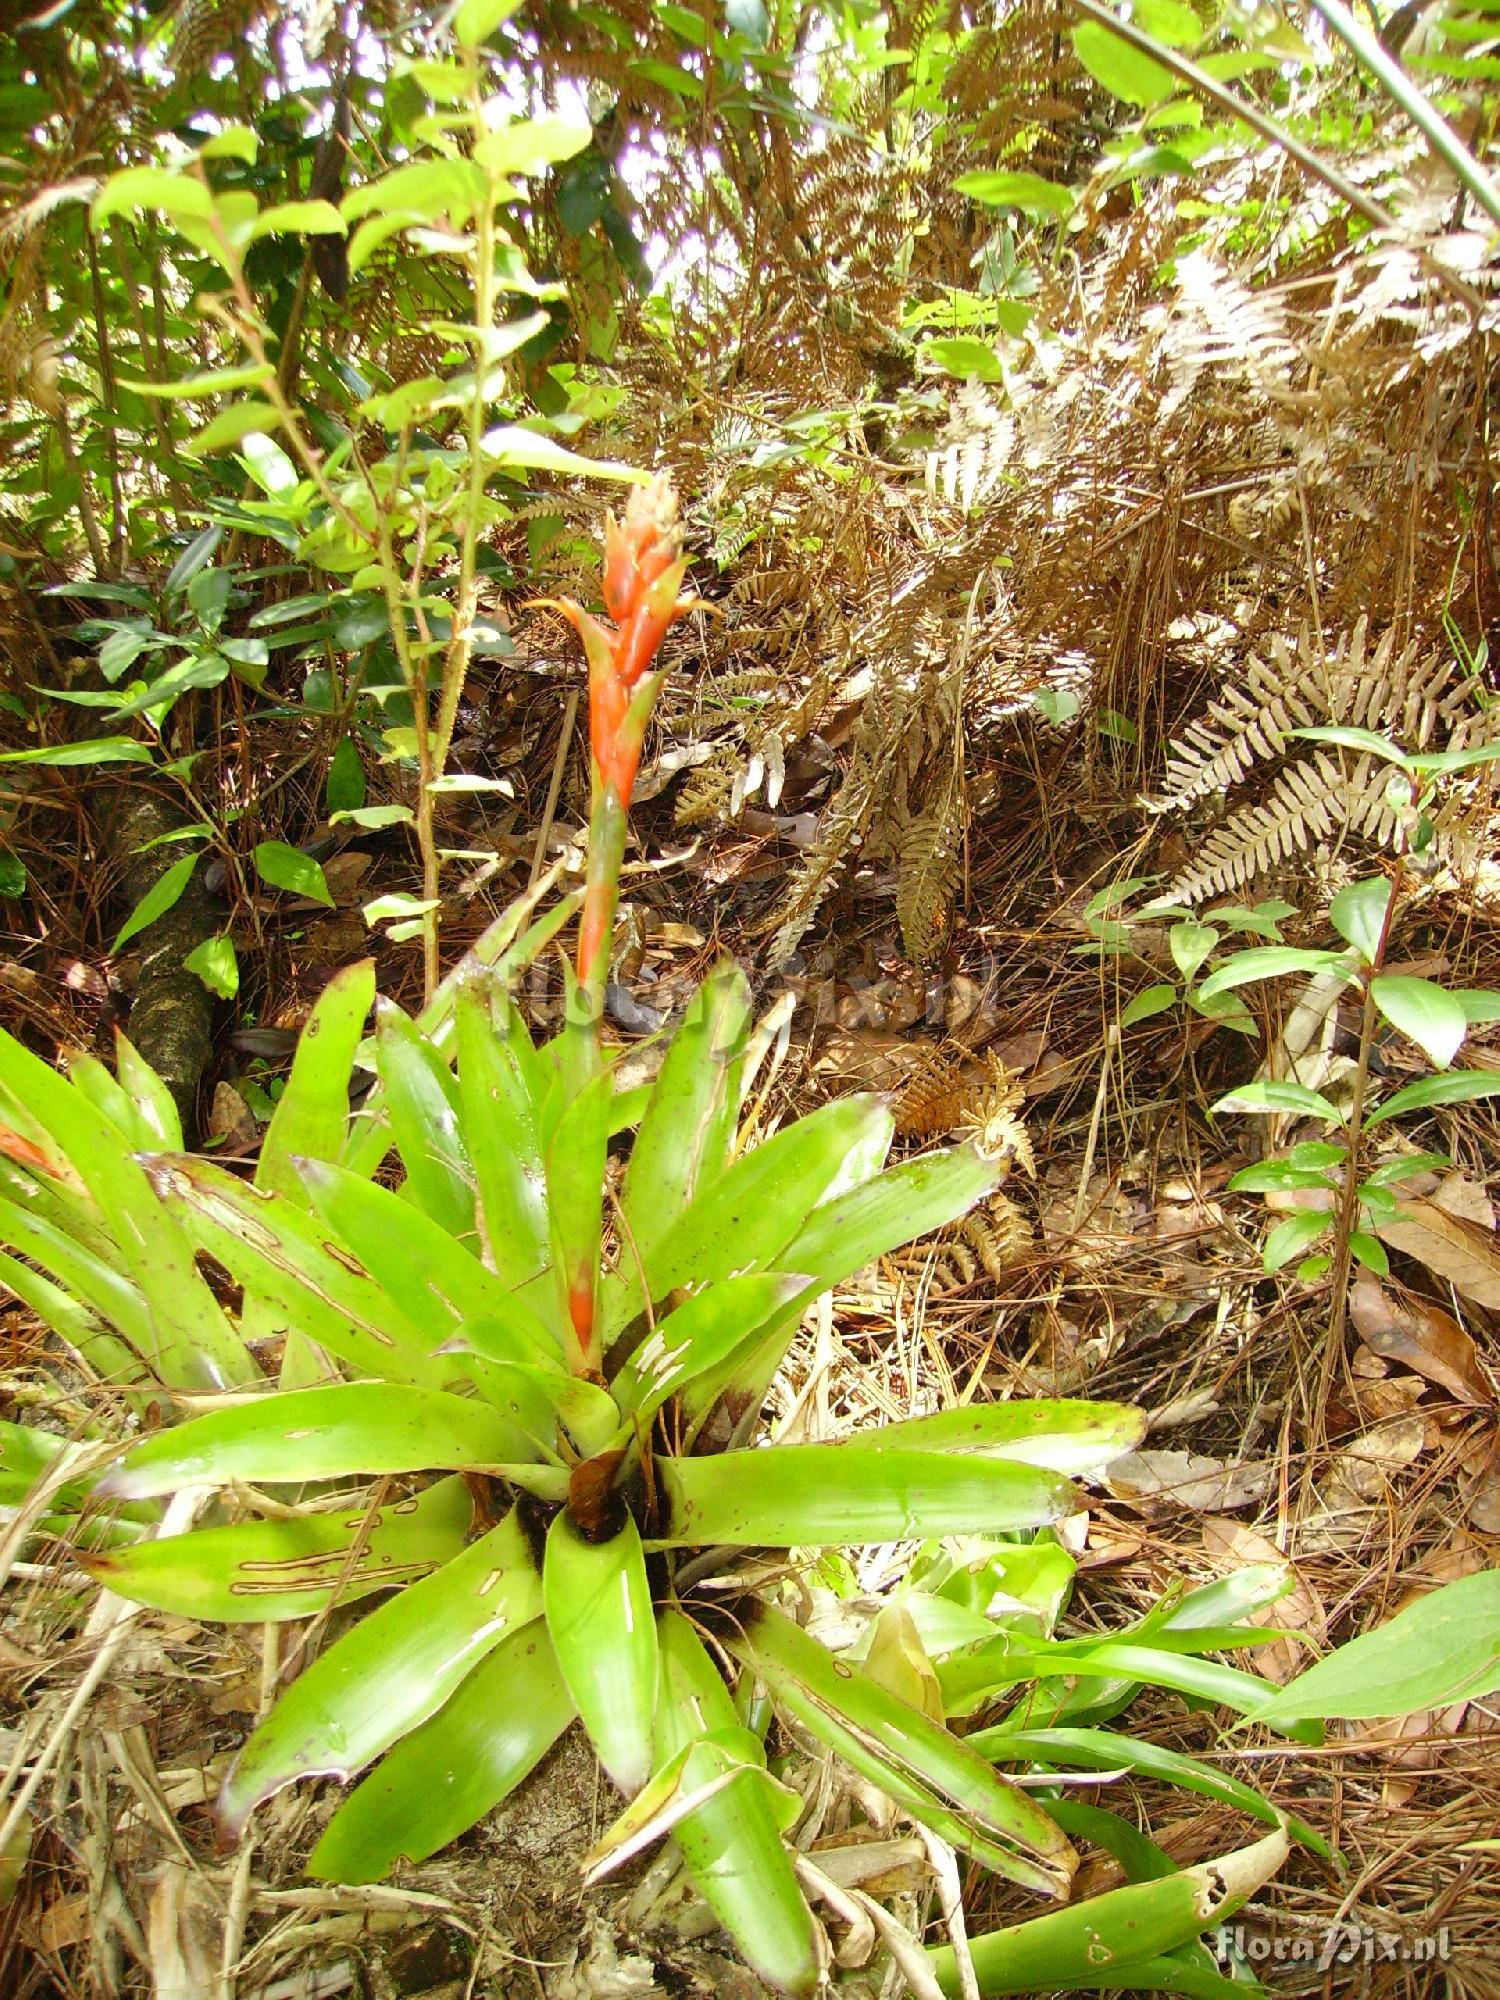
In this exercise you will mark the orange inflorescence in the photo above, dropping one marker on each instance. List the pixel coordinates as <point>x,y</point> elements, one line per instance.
<point>643,574</point>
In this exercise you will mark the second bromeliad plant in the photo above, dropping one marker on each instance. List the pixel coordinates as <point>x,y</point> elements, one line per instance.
<point>592,1365</point>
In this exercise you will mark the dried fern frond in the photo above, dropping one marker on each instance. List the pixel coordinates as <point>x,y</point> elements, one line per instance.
<point>989,1241</point>
<point>981,1102</point>
<point>1410,696</point>
<point>1406,694</point>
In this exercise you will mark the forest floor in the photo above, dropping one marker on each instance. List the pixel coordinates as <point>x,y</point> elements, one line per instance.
<point>1122,1268</point>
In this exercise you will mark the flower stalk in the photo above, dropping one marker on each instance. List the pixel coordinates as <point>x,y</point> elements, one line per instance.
<point>642,588</point>
<point>643,574</point>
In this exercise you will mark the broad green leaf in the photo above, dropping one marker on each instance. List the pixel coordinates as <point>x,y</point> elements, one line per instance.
<point>283,867</point>
<point>274,473</point>
<point>531,145</point>
<point>1061,1436</point>
<point>12,876</point>
<point>1447,761</point>
<point>1171,21</point>
<point>512,444</point>
<point>1291,1237</point>
<point>701,1333</point>
<point>973,1679</point>
<point>1276,1095</point>
<point>292,1435</point>
<point>1369,1251</point>
<point>97,750</point>
<point>1457,1087</point>
<point>683,1143</point>
<point>1015,188</point>
<point>216,965</point>
<point>344,787</point>
<point>26,1454</point>
<point>1271,961</point>
<point>211,382</point>
<point>1277,1175</point>
<point>1108,1750</point>
<point>747,1217</point>
<point>731,1844</point>
<point>474,21</point>
<point>496,1091</point>
<point>108,1360</point>
<point>435,1282</point>
<point>1145,1006</point>
<point>895,1207</point>
<point>1123,1939</point>
<point>603,1630</point>
<point>158,899</point>
<point>199,670</point>
<point>422,1101</point>
<point>374,817</point>
<point>1432,1016</point>
<point>918,1762</point>
<point>303,1283</point>
<point>232,426</point>
<point>1404,1167</point>
<point>149,1094</point>
<point>454,1768</point>
<point>1358,913</point>
<point>1124,71</point>
<point>84,1274</point>
<point>390,1673</point>
<point>191,1344</point>
<point>1348,738</point>
<point>312,1113</point>
<point>1442,1649</point>
<point>424,192</point>
<point>235,142</point>
<point>193,558</point>
<point>266,1571</point>
<point>964,358</point>
<point>89,1076</point>
<point>810,1494</point>
<point>298,218</point>
<point>137,188</point>
<point>1190,944</point>
<point>1479,1004</point>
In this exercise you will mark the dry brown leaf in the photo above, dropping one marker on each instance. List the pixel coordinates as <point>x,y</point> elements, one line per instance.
<point>1399,1442</point>
<point>64,1923</point>
<point>231,1119</point>
<point>1420,1336</point>
<point>185,1933</point>
<point>1234,1545</point>
<point>1459,1196</point>
<point>1188,1479</point>
<point>1454,1248</point>
<point>1482,1498</point>
<point>343,873</point>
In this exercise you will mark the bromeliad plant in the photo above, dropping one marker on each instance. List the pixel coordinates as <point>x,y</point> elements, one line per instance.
<point>557,1387</point>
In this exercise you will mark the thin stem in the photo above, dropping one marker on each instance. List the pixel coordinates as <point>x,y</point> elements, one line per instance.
<point>1348,1208</point>
<point>118,524</point>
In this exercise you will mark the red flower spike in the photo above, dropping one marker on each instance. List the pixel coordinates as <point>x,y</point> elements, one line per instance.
<point>648,624</point>
<point>638,550</point>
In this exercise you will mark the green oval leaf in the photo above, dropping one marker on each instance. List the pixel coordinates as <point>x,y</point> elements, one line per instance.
<point>1430,1014</point>
<point>1121,69</point>
<point>283,867</point>
<point>1442,1649</point>
<point>1458,1087</point>
<point>158,899</point>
